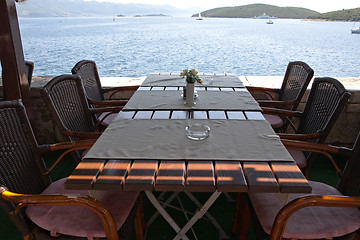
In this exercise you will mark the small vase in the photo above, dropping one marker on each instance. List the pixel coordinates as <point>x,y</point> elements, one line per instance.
<point>190,94</point>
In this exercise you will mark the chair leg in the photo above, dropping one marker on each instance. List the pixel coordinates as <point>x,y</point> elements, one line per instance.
<point>237,213</point>
<point>139,222</point>
<point>242,216</point>
<point>245,223</point>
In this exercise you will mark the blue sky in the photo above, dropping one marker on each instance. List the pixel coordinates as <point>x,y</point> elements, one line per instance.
<point>317,5</point>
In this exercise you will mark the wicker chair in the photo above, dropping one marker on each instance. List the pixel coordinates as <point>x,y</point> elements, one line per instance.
<point>31,200</point>
<point>65,98</point>
<point>302,217</point>
<point>29,68</point>
<point>87,70</point>
<point>297,78</point>
<point>326,101</point>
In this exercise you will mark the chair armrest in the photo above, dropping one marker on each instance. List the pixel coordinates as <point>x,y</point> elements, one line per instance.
<point>115,90</point>
<point>269,103</point>
<point>64,200</point>
<point>300,137</point>
<point>308,201</point>
<point>311,147</point>
<point>122,88</point>
<point>268,91</point>
<point>108,110</point>
<point>318,148</point>
<point>68,146</point>
<point>108,103</point>
<point>105,109</point>
<point>262,89</point>
<point>46,148</point>
<point>83,135</point>
<point>281,112</point>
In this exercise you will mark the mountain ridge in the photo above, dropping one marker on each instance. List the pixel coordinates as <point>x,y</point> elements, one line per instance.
<point>81,8</point>
<point>257,9</point>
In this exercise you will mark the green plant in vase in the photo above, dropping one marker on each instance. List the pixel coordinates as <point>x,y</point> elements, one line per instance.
<point>188,93</point>
<point>191,76</point>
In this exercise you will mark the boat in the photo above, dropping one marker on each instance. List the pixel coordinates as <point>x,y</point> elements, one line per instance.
<point>199,17</point>
<point>355,30</point>
<point>264,16</point>
<point>269,22</point>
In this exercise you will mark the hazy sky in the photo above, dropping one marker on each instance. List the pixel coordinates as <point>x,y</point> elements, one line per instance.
<point>317,5</point>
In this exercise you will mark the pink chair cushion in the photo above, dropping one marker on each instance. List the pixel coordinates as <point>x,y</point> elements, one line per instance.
<point>298,157</point>
<point>310,222</point>
<point>108,117</point>
<point>80,221</point>
<point>274,120</point>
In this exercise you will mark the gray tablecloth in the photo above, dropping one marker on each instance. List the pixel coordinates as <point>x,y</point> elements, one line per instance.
<point>207,100</point>
<point>166,140</point>
<point>156,80</point>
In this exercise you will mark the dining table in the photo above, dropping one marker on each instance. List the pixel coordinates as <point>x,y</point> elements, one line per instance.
<point>147,148</point>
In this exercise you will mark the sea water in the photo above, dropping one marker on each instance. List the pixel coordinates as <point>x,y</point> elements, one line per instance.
<point>138,46</point>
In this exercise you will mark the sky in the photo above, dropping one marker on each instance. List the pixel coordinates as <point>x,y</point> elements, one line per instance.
<point>317,5</point>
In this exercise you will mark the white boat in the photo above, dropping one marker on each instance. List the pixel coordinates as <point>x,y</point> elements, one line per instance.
<point>355,30</point>
<point>269,22</point>
<point>199,17</point>
<point>264,16</point>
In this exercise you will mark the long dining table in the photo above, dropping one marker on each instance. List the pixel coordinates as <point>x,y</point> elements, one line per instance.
<point>145,148</point>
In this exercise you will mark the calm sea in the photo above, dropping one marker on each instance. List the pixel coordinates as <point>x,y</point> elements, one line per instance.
<point>134,47</point>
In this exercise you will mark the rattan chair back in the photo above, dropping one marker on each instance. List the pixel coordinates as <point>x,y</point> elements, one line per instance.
<point>29,70</point>
<point>65,98</point>
<point>326,101</point>
<point>87,70</point>
<point>21,164</point>
<point>297,78</point>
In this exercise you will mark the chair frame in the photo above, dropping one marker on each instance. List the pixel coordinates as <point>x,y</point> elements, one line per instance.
<point>94,90</point>
<point>296,80</point>
<point>282,100</point>
<point>350,199</point>
<point>87,113</point>
<point>316,200</point>
<point>22,200</point>
<point>320,135</point>
<point>308,201</point>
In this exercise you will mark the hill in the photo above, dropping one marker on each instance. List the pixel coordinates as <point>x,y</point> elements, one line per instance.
<point>251,10</point>
<point>342,15</point>
<point>81,8</point>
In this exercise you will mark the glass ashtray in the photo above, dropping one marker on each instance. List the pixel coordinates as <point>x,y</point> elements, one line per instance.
<point>197,131</point>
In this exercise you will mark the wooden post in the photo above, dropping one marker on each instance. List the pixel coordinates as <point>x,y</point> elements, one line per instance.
<point>15,81</point>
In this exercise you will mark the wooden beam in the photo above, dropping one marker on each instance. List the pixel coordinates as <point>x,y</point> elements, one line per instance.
<point>15,81</point>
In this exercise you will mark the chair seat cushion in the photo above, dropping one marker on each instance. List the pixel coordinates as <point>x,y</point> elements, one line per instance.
<point>108,117</point>
<point>311,222</point>
<point>274,120</point>
<point>298,157</point>
<point>77,220</point>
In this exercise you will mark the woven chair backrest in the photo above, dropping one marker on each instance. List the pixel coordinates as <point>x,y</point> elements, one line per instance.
<point>29,68</point>
<point>297,77</point>
<point>89,75</point>
<point>65,98</point>
<point>326,101</point>
<point>20,163</point>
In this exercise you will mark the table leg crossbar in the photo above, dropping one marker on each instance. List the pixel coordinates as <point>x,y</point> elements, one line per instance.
<point>202,210</point>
